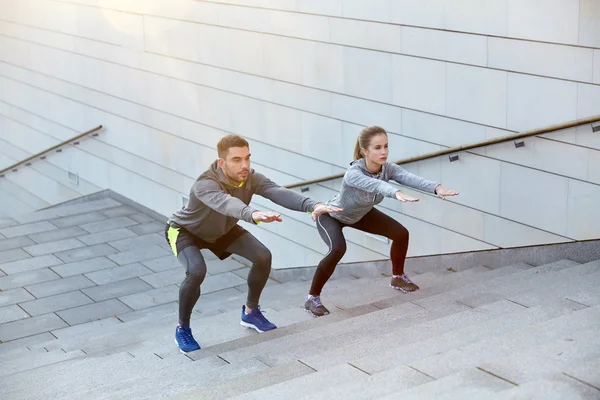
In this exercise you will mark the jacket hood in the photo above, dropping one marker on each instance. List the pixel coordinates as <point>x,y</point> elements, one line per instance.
<point>216,173</point>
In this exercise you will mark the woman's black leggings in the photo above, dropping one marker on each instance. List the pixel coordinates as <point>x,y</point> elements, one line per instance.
<point>374,222</point>
<point>246,246</point>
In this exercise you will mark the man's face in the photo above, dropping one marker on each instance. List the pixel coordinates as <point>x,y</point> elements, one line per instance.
<point>236,165</point>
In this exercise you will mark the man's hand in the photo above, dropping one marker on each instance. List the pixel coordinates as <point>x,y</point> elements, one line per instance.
<point>404,198</point>
<point>321,209</point>
<point>260,216</point>
<point>443,191</point>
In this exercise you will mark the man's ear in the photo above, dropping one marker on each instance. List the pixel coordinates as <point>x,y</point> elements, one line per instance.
<point>220,162</point>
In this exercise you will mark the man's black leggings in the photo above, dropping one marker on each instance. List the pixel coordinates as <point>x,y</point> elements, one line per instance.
<point>246,246</point>
<point>374,222</point>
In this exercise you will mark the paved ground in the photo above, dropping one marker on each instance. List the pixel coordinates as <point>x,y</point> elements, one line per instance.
<point>88,306</point>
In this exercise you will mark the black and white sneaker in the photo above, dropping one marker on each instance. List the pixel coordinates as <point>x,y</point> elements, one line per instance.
<point>402,283</point>
<point>314,306</point>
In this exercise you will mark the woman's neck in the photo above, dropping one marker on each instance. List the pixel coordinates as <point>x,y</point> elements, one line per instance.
<point>372,167</point>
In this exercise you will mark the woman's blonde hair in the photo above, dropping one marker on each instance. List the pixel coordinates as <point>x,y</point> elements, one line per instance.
<point>364,139</point>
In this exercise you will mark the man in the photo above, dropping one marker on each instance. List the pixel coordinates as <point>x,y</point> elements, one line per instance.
<point>218,199</point>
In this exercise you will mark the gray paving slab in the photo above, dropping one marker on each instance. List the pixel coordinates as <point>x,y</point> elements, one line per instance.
<point>85,253</point>
<point>138,255</point>
<point>14,296</point>
<point>165,278</point>
<point>106,236</point>
<point>12,255</point>
<point>512,341</point>
<point>118,273</point>
<point>133,243</point>
<point>15,243</point>
<point>30,326</point>
<point>149,227</point>
<point>54,303</point>
<point>152,298</point>
<point>86,328</point>
<point>214,267</point>
<point>78,219</point>
<point>119,211</point>
<point>11,313</point>
<point>222,281</point>
<point>67,210</point>
<point>143,219</point>
<point>117,289</point>
<point>163,263</point>
<point>27,229</point>
<point>57,234</point>
<point>83,267</point>
<point>27,278</point>
<point>93,311</point>
<point>54,247</point>
<point>30,264</point>
<point>163,309</point>
<point>536,362</point>
<point>208,255</point>
<point>59,286</point>
<point>109,224</point>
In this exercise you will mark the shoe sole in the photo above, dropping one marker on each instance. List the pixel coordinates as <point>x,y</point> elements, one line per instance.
<point>315,315</point>
<point>403,290</point>
<point>184,352</point>
<point>247,325</point>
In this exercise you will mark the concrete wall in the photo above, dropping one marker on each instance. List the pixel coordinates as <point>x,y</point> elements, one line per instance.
<point>299,78</point>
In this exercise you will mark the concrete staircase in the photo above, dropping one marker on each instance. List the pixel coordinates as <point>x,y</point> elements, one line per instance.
<point>88,307</point>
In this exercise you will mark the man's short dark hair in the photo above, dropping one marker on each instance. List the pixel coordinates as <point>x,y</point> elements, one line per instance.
<point>230,141</point>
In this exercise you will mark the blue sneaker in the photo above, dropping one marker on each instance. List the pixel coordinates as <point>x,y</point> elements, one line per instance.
<point>256,320</point>
<point>185,340</point>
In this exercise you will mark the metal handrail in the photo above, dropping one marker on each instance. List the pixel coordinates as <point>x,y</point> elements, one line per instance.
<point>26,161</point>
<point>534,132</point>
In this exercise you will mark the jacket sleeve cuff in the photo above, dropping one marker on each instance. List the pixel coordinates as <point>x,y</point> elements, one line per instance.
<point>247,215</point>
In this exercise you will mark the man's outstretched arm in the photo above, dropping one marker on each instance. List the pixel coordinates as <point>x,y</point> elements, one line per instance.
<point>289,199</point>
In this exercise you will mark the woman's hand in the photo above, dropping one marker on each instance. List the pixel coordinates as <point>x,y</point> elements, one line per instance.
<point>404,198</point>
<point>443,191</point>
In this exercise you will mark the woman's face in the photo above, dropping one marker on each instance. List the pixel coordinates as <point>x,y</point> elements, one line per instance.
<point>377,152</point>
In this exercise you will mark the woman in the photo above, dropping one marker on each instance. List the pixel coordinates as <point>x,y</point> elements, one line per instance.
<point>365,184</point>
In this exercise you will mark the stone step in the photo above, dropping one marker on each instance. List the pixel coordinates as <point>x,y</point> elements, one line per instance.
<point>328,352</point>
<point>509,286</point>
<point>469,384</point>
<point>538,362</point>
<point>396,380</point>
<point>35,360</point>
<point>305,385</point>
<point>500,343</point>
<point>418,341</point>
<point>12,203</point>
<point>248,383</point>
<point>23,195</point>
<point>585,372</point>
<point>557,387</point>
<point>363,337</point>
<point>91,372</point>
<point>330,331</point>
